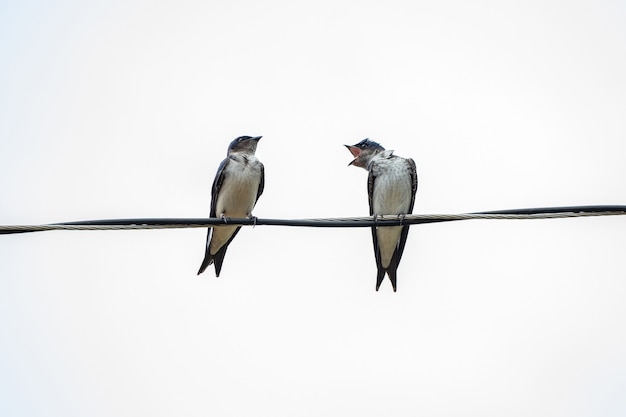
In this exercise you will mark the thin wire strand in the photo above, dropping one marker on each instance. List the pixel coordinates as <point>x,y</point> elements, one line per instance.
<point>410,219</point>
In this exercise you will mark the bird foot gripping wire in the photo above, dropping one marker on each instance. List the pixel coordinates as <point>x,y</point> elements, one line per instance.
<point>249,216</point>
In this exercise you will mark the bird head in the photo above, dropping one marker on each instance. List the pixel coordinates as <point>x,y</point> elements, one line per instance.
<point>245,144</point>
<point>363,152</point>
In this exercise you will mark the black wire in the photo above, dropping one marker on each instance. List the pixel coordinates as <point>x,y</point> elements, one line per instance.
<point>320,222</point>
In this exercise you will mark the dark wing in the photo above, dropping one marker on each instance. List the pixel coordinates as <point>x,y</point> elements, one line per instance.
<point>380,275</point>
<point>413,170</point>
<point>371,178</point>
<point>261,183</point>
<point>218,258</point>
<point>217,184</point>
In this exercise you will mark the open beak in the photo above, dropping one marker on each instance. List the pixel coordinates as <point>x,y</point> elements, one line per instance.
<point>354,151</point>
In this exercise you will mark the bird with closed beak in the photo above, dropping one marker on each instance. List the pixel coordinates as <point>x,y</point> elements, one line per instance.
<point>238,184</point>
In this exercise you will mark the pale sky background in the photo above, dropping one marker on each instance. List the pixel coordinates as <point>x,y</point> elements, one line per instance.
<point>124,109</point>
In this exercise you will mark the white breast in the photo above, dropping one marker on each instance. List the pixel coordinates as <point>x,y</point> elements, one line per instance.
<point>238,192</point>
<point>393,188</point>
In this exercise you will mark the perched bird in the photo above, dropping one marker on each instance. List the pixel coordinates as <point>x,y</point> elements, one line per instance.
<point>237,186</point>
<point>391,187</point>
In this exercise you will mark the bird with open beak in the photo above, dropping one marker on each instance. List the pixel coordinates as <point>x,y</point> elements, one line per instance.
<point>238,184</point>
<point>391,187</point>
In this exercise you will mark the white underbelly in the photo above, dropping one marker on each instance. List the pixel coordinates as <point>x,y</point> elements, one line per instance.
<point>388,238</point>
<point>236,199</point>
<point>221,235</point>
<point>392,196</point>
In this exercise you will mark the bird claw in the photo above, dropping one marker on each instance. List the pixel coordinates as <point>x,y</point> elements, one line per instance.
<point>401,217</point>
<point>225,218</point>
<point>249,216</point>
